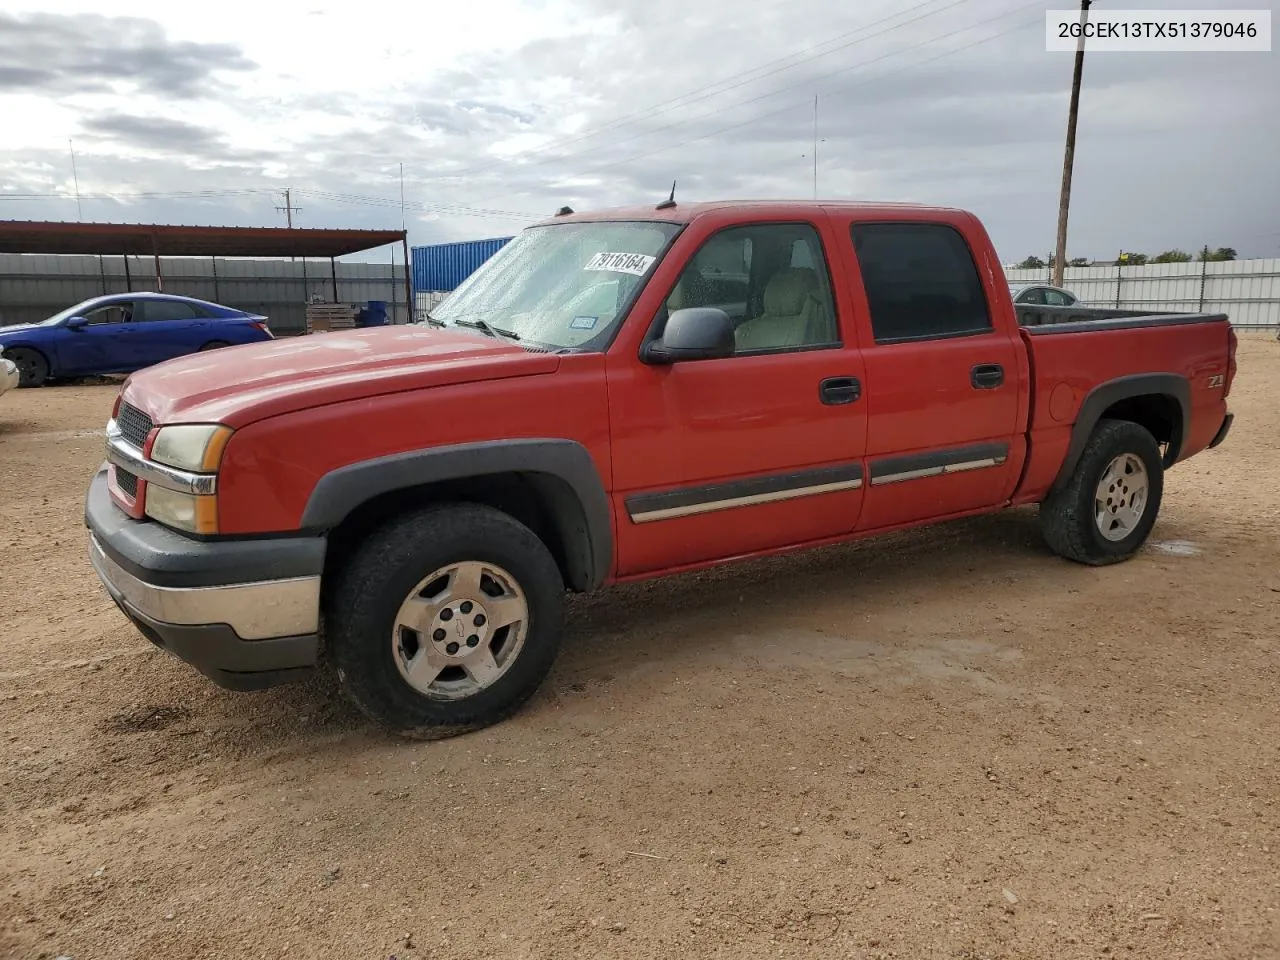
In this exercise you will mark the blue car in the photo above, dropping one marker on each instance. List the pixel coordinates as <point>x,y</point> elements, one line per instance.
<point>123,333</point>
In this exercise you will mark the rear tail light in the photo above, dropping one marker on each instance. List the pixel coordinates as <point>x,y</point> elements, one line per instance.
<point>264,328</point>
<point>1232,341</point>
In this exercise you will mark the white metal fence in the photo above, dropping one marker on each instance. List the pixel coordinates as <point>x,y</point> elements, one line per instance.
<point>1247,291</point>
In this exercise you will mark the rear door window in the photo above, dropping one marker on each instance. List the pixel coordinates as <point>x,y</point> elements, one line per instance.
<point>167,310</point>
<point>921,282</point>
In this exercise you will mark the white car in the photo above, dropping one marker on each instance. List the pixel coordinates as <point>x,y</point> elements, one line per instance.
<point>1043,293</point>
<point>8,374</point>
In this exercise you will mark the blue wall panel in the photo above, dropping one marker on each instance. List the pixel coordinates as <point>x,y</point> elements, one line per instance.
<point>443,266</point>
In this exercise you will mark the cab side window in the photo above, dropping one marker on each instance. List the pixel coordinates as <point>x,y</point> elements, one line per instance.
<point>921,282</point>
<point>773,282</point>
<point>1055,298</point>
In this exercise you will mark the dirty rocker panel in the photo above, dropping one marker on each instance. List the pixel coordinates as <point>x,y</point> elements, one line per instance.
<point>688,501</point>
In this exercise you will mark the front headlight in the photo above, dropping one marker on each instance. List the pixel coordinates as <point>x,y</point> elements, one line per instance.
<point>196,446</point>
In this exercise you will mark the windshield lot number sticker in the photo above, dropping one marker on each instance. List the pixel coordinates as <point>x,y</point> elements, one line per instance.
<point>583,323</point>
<point>633,263</point>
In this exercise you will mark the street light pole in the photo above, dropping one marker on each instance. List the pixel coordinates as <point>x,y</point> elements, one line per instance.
<point>1064,200</point>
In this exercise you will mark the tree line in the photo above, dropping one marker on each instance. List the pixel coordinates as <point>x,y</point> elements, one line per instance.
<point>1138,259</point>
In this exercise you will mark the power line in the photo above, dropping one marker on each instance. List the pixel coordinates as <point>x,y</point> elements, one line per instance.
<point>773,93</point>
<point>424,206</point>
<point>143,195</point>
<point>120,196</point>
<point>794,105</point>
<point>731,82</point>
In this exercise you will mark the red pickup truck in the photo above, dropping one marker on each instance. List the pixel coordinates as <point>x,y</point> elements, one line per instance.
<point>616,396</point>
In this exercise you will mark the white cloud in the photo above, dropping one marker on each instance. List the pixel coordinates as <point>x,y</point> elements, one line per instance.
<point>522,105</point>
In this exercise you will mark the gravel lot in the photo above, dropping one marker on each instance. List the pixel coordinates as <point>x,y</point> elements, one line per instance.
<point>945,743</point>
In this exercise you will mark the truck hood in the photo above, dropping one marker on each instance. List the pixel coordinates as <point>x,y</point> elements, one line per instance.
<point>239,385</point>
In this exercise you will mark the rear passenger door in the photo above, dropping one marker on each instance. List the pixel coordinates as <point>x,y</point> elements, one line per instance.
<point>942,383</point>
<point>171,329</point>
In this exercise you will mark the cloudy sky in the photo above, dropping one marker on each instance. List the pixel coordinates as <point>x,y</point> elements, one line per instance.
<point>502,110</point>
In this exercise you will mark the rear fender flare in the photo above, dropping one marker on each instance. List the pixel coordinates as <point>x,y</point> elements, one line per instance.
<point>562,471</point>
<point>1106,395</point>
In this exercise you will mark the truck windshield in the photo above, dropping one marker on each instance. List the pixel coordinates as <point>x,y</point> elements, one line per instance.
<point>562,286</point>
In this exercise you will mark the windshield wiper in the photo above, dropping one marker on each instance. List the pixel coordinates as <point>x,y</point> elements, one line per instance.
<point>496,332</point>
<point>433,321</point>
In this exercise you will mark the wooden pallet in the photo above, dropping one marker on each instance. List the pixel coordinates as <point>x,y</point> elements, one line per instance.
<point>324,317</point>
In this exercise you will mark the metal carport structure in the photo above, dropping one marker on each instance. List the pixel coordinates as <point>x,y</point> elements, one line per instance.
<point>158,240</point>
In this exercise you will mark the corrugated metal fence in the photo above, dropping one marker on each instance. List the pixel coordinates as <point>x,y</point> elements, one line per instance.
<point>1247,291</point>
<point>443,266</point>
<point>33,287</point>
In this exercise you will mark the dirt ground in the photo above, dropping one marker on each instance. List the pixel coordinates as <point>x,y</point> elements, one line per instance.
<point>944,744</point>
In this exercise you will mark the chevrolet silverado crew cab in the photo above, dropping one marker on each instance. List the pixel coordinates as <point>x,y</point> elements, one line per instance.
<point>615,396</point>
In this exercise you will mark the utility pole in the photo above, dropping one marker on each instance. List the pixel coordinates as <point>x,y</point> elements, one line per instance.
<point>1068,160</point>
<point>75,179</point>
<point>288,209</point>
<point>815,146</point>
<point>402,196</point>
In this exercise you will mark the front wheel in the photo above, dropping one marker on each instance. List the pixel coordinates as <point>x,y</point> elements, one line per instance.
<point>33,368</point>
<point>446,620</point>
<point>1108,507</point>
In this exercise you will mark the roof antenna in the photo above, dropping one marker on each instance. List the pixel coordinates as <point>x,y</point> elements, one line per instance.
<point>564,211</point>
<point>670,201</point>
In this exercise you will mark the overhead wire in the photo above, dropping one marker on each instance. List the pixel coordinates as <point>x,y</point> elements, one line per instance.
<point>731,82</point>
<point>842,88</point>
<point>809,84</point>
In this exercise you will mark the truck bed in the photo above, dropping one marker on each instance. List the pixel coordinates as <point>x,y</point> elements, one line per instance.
<point>1109,318</point>
<point>1073,349</point>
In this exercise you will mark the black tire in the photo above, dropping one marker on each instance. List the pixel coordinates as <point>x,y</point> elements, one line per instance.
<point>213,345</point>
<point>33,368</point>
<point>1067,518</point>
<point>366,596</point>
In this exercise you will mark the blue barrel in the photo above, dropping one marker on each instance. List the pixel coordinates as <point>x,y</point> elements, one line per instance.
<point>374,314</point>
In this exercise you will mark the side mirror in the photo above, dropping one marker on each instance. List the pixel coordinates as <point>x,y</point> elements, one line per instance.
<point>76,323</point>
<point>695,333</point>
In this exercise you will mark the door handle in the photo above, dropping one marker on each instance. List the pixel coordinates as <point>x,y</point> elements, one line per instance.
<point>986,376</point>
<point>835,391</point>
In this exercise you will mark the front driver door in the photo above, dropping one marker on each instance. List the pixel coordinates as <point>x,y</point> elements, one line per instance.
<point>761,450</point>
<point>106,344</point>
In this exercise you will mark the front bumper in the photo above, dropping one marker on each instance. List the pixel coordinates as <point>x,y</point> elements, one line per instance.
<point>245,613</point>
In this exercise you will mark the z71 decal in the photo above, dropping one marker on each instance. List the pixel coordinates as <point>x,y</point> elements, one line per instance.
<point>1216,381</point>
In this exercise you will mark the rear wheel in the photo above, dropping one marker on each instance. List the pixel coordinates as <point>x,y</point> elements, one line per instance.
<point>213,345</point>
<point>1107,509</point>
<point>33,368</point>
<point>445,621</point>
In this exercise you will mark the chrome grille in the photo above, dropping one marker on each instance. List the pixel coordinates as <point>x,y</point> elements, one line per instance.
<point>127,482</point>
<point>133,424</point>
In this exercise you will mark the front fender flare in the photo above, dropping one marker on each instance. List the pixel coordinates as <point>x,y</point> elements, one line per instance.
<point>561,470</point>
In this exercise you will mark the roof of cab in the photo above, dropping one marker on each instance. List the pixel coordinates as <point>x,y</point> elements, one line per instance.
<point>686,212</point>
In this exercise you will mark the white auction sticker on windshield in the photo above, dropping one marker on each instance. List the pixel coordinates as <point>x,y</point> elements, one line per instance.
<point>634,263</point>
